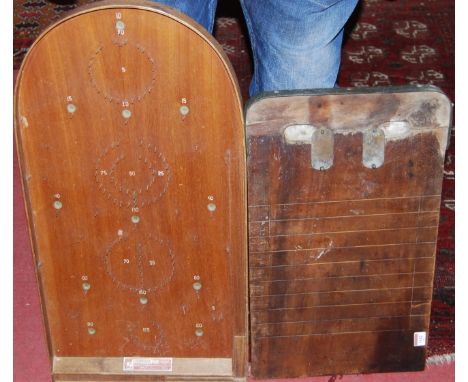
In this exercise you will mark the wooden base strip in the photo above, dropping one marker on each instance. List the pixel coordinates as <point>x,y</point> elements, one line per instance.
<point>181,367</point>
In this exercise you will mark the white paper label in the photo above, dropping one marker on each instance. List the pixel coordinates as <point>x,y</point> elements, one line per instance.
<point>419,338</point>
<point>147,364</point>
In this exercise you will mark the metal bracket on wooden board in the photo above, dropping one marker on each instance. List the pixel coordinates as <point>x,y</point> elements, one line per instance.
<point>322,145</point>
<point>373,148</point>
<point>322,149</point>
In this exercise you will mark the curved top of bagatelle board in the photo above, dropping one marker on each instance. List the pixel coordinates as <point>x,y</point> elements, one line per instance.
<point>130,139</point>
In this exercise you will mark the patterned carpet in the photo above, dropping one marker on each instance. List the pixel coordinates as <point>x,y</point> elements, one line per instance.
<point>387,43</point>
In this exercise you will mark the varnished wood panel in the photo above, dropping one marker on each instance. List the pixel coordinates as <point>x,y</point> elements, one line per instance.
<point>131,146</point>
<point>342,259</point>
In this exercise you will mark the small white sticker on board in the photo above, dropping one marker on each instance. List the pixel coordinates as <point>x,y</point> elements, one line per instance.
<point>147,364</point>
<point>419,339</point>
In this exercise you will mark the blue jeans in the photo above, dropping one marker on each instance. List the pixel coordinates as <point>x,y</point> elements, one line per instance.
<point>296,44</point>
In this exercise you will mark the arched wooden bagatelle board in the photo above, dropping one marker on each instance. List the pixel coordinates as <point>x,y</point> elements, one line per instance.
<point>131,146</point>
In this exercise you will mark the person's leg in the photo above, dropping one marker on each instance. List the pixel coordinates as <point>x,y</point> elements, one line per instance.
<point>296,44</point>
<point>202,11</point>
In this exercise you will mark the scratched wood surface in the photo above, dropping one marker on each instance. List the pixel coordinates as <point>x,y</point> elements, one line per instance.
<point>131,146</point>
<point>341,260</point>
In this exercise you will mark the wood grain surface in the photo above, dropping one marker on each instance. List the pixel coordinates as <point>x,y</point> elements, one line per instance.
<point>342,259</point>
<point>131,147</point>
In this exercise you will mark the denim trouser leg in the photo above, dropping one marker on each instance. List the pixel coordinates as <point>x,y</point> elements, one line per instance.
<point>202,11</point>
<point>296,43</point>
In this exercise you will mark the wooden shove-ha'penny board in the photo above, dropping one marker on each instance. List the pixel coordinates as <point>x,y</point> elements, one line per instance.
<point>344,191</point>
<point>130,138</point>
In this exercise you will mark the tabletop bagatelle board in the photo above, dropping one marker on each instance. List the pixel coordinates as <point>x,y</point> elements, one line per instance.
<point>130,139</point>
<point>344,194</point>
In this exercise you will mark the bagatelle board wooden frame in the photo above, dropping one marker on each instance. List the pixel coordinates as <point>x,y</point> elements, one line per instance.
<point>130,139</point>
<point>344,191</point>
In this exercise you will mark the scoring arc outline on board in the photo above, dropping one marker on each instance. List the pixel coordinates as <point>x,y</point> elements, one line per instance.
<point>153,258</point>
<point>120,91</point>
